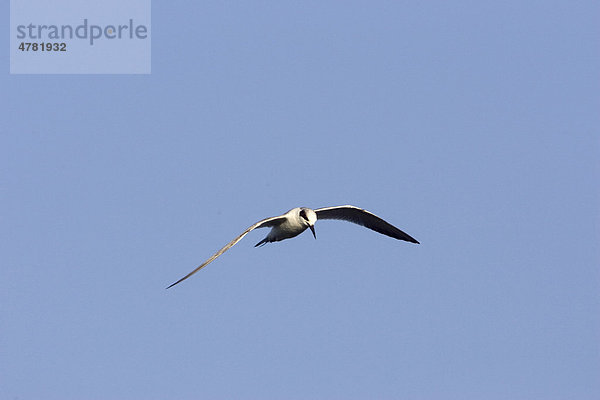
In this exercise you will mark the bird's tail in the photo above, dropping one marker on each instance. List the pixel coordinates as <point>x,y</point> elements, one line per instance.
<point>262,242</point>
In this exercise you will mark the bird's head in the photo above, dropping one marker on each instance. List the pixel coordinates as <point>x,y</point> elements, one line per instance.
<point>308,217</point>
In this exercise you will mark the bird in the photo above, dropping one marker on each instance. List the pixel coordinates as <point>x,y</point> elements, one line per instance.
<point>298,219</point>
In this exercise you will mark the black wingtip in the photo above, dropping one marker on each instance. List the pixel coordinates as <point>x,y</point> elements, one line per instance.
<point>412,240</point>
<point>408,238</point>
<point>173,284</point>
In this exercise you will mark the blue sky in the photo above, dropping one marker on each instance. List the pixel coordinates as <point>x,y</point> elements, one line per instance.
<point>471,125</point>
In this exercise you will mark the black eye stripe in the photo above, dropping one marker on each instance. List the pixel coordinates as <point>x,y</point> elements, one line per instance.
<point>303,214</point>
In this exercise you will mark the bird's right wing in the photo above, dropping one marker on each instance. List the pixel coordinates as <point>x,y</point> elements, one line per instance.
<point>265,223</point>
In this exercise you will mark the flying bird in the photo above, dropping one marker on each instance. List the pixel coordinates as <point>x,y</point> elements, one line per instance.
<point>298,219</point>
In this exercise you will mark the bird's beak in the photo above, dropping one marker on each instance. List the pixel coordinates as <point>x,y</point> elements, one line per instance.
<point>312,229</point>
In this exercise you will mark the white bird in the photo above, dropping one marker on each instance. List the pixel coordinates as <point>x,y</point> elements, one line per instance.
<point>295,221</point>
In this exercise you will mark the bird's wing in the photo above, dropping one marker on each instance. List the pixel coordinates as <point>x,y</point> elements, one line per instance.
<point>265,223</point>
<point>364,218</point>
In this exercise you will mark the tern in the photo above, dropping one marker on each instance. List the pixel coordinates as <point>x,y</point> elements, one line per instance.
<point>298,219</point>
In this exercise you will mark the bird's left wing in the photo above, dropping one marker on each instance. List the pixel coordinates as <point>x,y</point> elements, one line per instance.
<point>265,223</point>
<point>364,218</point>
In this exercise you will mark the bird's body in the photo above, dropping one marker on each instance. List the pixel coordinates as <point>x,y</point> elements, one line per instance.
<point>293,223</point>
<point>298,219</point>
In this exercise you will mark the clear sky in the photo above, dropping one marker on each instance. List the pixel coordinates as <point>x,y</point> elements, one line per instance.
<point>472,125</point>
